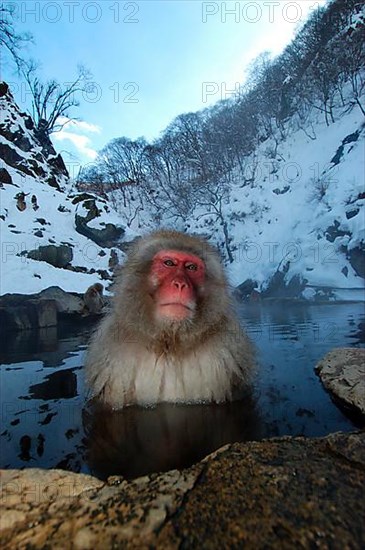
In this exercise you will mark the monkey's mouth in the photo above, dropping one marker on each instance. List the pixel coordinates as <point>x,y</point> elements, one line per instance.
<point>175,311</point>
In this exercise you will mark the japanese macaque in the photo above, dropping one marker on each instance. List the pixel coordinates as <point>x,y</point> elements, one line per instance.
<point>171,335</point>
<point>93,298</point>
<point>20,201</point>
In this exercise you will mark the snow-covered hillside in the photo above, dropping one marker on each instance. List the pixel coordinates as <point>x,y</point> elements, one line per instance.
<point>49,234</point>
<point>302,212</point>
<point>295,219</point>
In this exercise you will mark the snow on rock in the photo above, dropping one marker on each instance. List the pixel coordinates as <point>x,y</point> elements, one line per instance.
<point>38,215</point>
<point>26,148</point>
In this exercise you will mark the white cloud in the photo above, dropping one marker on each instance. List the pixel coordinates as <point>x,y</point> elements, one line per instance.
<point>81,143</point>
<point>78,125</point>
<point>74,131</point>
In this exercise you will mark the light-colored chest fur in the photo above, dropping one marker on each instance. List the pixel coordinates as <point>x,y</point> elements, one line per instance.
<point>140,377</point>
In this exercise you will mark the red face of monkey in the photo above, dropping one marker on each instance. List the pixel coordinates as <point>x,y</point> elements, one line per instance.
<point>176,278</point>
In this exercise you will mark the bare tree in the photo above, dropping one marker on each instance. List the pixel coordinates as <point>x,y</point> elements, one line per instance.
<point>10,40</point>
<point>50,100</point>
<point>213,197</point>
<point>351,58</point>
<point>167,187</point>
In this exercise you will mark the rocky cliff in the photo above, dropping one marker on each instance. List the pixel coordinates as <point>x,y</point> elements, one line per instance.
<point>51,234</point>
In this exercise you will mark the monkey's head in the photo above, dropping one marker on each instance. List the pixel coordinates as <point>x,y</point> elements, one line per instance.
<point>174,284</point>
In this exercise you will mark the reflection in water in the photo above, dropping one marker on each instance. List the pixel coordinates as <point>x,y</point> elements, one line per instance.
<point>290,340</point>
<point>44,421</point>
<point>136,441</point>
<point>19,346</point>
<point>58,385</point>
<point>50,345</point>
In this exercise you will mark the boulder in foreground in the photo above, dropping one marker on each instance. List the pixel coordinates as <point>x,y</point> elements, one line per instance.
<point>281,493</point>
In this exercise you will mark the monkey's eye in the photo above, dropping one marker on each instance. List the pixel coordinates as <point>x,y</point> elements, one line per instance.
<point>169,263</point>
<point>191,267</point>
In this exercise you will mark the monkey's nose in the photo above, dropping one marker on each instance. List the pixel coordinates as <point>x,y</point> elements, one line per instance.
<point>180,284</point>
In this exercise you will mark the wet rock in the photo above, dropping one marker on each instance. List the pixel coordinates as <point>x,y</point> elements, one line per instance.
<point>67,302</point>
<point>342,372</point>
<point>281,493</point>
<point>24,312</point>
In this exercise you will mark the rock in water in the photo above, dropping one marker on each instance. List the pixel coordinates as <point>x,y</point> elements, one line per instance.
<point>342,372</point>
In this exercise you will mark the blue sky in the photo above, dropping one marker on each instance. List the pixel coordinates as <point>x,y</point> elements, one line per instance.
<point>151,60</point>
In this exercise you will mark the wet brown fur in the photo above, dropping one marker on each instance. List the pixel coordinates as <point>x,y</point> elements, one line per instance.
<point>93,298</point>
<point>200,359</point>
